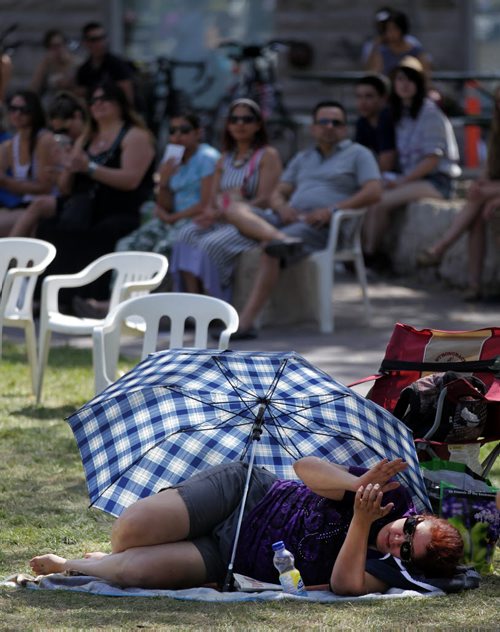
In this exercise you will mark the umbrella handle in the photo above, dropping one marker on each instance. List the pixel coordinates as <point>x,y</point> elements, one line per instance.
<point>229,581</point>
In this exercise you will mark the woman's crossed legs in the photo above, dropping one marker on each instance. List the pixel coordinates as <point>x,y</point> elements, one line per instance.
<point>149,548</point>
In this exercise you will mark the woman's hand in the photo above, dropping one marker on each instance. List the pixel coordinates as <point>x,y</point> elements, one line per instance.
<point>167,169</point>
<point>382,473</point>
<point>78,161</point>
<point>207,217</point>
<point>368,504</point>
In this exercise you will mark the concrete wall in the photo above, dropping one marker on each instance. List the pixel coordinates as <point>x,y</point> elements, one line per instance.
<point>35,17</point>
<point>337,30</point>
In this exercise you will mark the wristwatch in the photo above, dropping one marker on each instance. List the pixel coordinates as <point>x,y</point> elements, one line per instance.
<point>91,167</point>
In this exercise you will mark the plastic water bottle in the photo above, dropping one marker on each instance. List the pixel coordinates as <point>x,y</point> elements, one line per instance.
<point>290,577</point>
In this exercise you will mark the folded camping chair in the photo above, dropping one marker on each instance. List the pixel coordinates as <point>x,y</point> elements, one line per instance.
<point>412,354</point>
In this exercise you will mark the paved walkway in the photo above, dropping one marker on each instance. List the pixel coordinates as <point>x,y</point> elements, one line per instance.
<point>356,348</point>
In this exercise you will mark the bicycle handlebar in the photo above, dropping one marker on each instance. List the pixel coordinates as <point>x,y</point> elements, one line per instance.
<point>252,51</point>
<point>168,63</point>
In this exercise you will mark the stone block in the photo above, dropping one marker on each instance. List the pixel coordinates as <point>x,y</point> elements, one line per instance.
<point>294,299</point>
<point>420,224</point>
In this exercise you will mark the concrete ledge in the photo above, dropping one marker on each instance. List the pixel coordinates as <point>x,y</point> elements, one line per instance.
<point>414,227</point>
<point>420,224</point>
<point>294,299</point>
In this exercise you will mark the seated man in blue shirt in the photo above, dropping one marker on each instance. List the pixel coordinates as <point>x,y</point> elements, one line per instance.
<point>374,127</point>
<point>334,174</point>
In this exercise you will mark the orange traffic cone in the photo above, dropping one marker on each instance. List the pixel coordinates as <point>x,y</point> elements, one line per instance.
<point>472,133</point>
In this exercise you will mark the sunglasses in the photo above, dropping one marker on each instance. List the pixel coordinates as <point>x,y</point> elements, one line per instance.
<point>409,528</point>
<point>101,98</point>
<point>95,38</point>
<point>181,129</point>
<point>22,109</point>
<point>334,122</point>
<point>247,119</point>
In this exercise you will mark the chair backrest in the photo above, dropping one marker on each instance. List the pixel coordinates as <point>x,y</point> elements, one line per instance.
<point>22,260</point>
<point>130,268</point>
<point>345,231</point>
<point>177,307</point>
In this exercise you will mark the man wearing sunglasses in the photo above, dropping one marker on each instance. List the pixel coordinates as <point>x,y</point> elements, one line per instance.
<point>101,65</point>
<point>334,174</point>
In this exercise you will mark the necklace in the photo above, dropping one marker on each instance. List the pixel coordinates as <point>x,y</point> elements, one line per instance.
<point>239,162</point>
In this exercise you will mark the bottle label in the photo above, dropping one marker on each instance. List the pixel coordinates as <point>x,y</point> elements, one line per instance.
<point>292,582</point>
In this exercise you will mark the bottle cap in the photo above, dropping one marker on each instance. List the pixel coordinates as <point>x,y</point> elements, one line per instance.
<point>277,546</point>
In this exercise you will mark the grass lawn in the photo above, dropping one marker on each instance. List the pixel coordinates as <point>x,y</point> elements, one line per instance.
<point>44,507</point>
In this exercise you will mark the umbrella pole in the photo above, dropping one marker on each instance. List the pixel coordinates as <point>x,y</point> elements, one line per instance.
<point>256,432</point>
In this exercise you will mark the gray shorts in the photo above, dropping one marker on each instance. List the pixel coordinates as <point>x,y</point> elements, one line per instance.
<point>213,498</point>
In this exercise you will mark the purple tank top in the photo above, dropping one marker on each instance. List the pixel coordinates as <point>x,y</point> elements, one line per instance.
<point>312,527</point>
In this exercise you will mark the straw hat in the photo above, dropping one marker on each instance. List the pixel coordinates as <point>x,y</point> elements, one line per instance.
<point>412,63</point>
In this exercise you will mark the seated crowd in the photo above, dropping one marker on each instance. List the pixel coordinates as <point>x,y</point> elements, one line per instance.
<point>78,174</point>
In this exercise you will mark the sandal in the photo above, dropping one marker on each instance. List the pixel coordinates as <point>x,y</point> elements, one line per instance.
<point>428,259</point>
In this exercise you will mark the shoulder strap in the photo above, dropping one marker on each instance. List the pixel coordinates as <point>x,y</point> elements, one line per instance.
<point>251,169</point>
<point>492,365</point>
<point>116,143</point>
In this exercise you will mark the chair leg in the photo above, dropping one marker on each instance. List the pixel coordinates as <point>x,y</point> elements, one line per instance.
<point>324,287</point>
<point>361,274</point>
<point>45,335</point>
<point>29,332</point>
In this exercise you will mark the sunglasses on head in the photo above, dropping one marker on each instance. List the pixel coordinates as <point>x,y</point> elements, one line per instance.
<point>334,122</point>
<point>181,129</point>
<point>100,98</point>
<point>22,109</point>
<point>247,118</point>
<point>409,528</point>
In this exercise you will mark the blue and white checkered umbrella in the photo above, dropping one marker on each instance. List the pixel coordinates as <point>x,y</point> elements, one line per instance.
<point>180,411</point>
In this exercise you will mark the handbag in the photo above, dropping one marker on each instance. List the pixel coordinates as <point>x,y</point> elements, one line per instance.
<point>77,210</point>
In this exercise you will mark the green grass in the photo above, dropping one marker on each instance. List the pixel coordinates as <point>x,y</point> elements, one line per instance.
<point>44,507</point>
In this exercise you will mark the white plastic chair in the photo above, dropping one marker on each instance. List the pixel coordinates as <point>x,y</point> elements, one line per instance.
<point>342,247</point>
<point>28,258</point>
<point>134,272</point>
<point>177,307</point>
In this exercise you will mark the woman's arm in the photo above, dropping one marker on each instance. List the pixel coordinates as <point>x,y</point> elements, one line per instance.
<point>332,481</point>
<point>427,165</point>
<point>137,154</point>
<point>270,169</point>
<point>348,575</point>
<point>5,74</point>
<point>375,63</point>
<point>39,76</point>
<point>45,158</point>
<point>196,209</point>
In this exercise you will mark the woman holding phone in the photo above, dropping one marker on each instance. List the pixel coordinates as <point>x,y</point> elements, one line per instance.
<point>184,186</point>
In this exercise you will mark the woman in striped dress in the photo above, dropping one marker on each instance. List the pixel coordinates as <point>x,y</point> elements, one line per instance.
<point>204,254</point>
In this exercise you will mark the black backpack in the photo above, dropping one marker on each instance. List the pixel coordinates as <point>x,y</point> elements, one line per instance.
<point>444,407</point>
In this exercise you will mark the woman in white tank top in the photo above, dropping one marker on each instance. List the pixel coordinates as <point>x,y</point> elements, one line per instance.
<point>28,160</point>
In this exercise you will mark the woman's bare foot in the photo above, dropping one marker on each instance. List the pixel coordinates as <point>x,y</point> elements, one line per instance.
<point>46,564</point>
<point>95,555</point>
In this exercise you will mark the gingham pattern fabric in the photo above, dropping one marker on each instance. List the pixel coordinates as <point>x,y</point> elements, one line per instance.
<point>180,411</point>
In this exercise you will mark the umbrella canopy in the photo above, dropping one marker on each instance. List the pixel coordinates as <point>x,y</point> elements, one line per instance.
<point>181,411</point>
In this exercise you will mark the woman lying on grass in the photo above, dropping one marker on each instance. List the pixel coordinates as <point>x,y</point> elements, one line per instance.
<point>355,529</point>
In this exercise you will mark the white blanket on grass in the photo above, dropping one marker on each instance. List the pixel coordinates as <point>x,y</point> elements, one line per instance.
<point>96,586</point>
